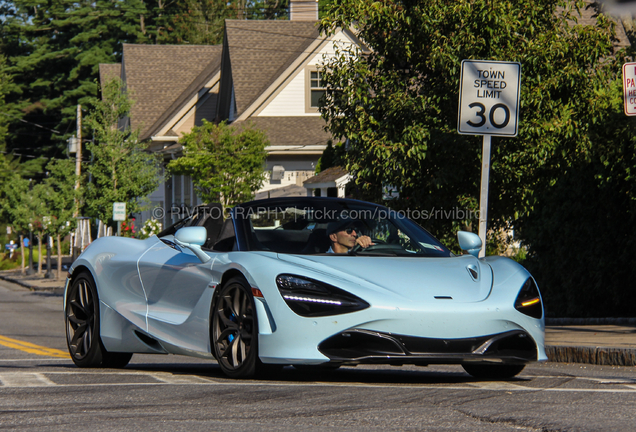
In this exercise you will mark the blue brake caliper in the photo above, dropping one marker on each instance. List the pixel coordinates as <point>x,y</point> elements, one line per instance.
<point>231,337</point>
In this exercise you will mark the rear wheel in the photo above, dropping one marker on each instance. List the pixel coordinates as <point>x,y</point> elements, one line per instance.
<point>495,372</point>
<point>235,330</point>
<point>82,327</point>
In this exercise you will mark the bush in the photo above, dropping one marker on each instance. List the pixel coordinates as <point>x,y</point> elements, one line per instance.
<point>581,240</point>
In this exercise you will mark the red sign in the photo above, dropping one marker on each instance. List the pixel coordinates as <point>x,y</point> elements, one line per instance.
<point>629,88</point>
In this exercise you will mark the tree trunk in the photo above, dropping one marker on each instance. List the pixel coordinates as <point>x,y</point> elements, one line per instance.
<point>59,257</point>
<point>39,254</point>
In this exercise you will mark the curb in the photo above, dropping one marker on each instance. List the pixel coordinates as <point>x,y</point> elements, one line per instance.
<point>602,356</point>
<point>589,321</point>
<point>31,287</point>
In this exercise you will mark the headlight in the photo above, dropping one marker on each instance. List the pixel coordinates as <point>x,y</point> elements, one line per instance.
<point>529,300</point>
<point>310,298</point>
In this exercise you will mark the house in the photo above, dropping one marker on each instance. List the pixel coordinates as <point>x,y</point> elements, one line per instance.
<point>330,182</point>
<point>265,73</point>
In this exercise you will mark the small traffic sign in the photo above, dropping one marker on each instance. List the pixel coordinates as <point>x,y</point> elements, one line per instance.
<point>629,88</point>
<point>489,98</point>
<point>119,211</point>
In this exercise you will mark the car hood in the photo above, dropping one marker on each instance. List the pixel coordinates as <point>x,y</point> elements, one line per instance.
<point>462,278</point>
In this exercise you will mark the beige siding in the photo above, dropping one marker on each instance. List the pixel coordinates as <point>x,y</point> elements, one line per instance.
<point>290,101</point>
<point>186,125</point>
<point>328,50</point>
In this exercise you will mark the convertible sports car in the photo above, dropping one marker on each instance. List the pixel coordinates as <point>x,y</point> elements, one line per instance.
<point>261,289</point>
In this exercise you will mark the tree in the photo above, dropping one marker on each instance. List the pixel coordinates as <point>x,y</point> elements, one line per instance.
<point>225,163</point>
<point>4,89</point>
<point>23,207</point>
<point>54,49</point>
<point>59,196</point>
<point>120,169</point>
<point>331,157</point>
<point>202,21</point>
<point>397,104</point>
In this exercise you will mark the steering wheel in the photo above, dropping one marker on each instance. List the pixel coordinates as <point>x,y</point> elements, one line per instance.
<point>378,246</point>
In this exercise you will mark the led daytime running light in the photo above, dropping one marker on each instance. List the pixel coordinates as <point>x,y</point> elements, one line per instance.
<point>313,300</point>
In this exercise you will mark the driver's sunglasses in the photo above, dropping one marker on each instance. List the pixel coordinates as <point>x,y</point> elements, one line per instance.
<point>350,230</point>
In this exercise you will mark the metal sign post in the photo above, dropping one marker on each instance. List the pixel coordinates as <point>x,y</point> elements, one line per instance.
<point>483,196</point>
<point>488,105</point>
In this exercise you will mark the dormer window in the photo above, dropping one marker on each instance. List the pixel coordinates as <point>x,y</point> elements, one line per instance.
<point>315,89</point>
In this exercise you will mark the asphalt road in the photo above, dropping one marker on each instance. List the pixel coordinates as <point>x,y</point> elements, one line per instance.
<point>41,389</point>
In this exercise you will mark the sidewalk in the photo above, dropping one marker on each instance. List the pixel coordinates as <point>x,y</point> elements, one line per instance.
<point>600,341</point>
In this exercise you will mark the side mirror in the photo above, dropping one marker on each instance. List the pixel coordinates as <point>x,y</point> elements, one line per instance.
<point>193,238</point>
<point>470,242</point>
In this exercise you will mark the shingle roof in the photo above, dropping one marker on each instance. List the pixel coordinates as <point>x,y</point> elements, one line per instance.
<point>260,51</point>
<point>291,131</point>
<point>328,175</point>
<point>108,71</point>
<point>162,78</point>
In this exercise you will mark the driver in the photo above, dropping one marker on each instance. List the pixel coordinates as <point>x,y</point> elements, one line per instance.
<point>344,235</point>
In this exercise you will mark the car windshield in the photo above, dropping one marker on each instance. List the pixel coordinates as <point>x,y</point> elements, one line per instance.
<point>301,226</point>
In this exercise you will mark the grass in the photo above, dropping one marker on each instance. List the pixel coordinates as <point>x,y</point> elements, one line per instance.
<point>15,262</point>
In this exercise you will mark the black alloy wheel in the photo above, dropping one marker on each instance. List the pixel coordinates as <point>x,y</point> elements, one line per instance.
<point>493,371</point>
<point>82,327</point>
<point>235,330</point>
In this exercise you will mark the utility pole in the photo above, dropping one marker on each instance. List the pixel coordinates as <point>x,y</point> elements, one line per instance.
<point>78,172</point>
<point>78,155</point>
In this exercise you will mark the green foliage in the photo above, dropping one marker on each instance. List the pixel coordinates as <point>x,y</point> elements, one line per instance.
<point>120,169</point>
<point>60,197</point>
<point>225,163</point>
<point>4,89</point>
<point>54,49</point>
<point>201,22</point>
<point>23,204</point>
<point>397,103</point>
<point>151,227</point>
<point>331,157</point>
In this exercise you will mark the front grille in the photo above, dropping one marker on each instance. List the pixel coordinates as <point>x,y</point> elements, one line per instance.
<point>364,346</point>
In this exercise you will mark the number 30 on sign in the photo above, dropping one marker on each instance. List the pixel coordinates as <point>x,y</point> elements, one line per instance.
<point>489,98</point>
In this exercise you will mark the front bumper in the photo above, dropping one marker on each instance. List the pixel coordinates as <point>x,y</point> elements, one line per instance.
<point>364,346</point>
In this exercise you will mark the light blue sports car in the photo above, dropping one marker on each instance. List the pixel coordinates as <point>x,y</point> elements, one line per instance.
<point>262,288</point>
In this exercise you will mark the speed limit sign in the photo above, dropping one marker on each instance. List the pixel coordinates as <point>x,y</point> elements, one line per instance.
<point>489,98</point>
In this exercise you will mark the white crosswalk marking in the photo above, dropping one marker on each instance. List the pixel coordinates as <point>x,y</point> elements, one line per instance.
<point>499,385</point>
<point>169,378</point>
<point>154,378</point>
<point>25,379</point>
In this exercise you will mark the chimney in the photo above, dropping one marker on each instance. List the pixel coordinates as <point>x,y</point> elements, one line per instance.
<point>303,10</point>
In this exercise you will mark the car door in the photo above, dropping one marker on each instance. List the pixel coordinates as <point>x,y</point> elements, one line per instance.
<point>179,290</point>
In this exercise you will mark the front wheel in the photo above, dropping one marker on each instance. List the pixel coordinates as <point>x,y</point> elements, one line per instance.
<point>82,327</point>
<point>495,372</point>
<point>235,330</point>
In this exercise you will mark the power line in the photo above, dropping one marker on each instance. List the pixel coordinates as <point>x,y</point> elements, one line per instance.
<point>31,123</point>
